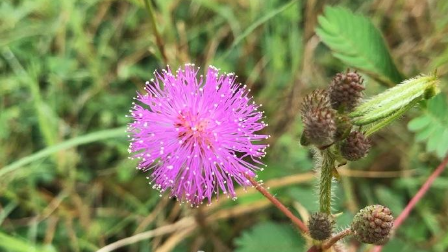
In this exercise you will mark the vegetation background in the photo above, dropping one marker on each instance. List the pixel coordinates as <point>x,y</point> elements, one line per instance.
<point>69,70</point>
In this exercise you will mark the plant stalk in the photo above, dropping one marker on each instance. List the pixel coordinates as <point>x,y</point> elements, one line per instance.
<point>326,177</point>
<point>159,40</point>
<point>341,235</point>
<point>278,204</point>
<point>421,192</point>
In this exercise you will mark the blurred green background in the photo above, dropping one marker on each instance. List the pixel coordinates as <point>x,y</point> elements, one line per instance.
<point>69,70</point>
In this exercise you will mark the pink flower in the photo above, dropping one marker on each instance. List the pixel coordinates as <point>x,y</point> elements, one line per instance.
<point>196,136</point>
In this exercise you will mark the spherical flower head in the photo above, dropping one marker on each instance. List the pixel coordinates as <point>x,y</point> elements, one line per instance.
<point>373,224</point>
<point>346,91</point>
<point>318,119</point>
<point>320,226</point>
<point>355,147</point>
<point>196,135</point>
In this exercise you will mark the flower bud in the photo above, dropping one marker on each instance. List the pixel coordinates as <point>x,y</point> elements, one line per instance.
<point>373,224</point>
<point>355,147</point>
<point>395,101</point>
<point>346,91</point>
<point>320,226</point>
<point>318,119</point>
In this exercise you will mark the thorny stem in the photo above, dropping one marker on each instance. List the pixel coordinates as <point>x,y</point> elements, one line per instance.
<point>326,177</point>
<point>341,235</point>
<point>159,40</point>
<point>314,249</point>
<point>332,241</point>
<point>421,192</point>
<point>278,204</point>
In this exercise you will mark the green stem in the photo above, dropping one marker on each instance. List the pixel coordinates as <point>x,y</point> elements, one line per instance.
<point>159,40</point>
<point>326,177</point>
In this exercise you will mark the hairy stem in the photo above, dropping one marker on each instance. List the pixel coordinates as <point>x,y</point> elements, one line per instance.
<point>278,204</point>
<point>326,177</point>
<point>336,238</point>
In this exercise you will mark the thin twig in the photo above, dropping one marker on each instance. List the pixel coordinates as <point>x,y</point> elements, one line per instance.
<point>207,231</point>
<point>336,238</point>
<point>188,222</point>
<point>159,40</point>
<point>152,216</point>
<point>344,172</point>
<point>238,210</point>
<point>314,249</point>
<point>421,192</point>
<point>175,239</point>
<point>273,183</point>
<point>184,223</point>
<point>278,204</point>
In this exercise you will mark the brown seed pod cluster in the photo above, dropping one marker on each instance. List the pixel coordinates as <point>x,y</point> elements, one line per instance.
<point>355,147</point>
<point>325,116</point>
<point>320,226</point>
<point>346,91</point>
<point>318,119</point>
<point>373,224</point>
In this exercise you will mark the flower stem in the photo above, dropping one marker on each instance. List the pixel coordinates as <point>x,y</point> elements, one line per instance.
<point>159,40</point>
<point>278,204</point>
<point>326,177</point>
<point>336,238</point>
<point>421,192</point>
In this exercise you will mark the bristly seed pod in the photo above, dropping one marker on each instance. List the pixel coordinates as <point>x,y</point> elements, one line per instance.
<point>373,224</point>
<point>346,91</point>
<point>318,119</point>
<point>320,226</point>
<point>355,147</point>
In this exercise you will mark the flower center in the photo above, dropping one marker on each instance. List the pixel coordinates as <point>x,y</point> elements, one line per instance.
<point>193,130</point>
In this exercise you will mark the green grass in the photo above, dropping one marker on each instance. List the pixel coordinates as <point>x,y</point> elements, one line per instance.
<point>69,70</point>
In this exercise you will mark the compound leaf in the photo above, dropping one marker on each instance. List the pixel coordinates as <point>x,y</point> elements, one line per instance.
<point>269,236</point>
<point>432,126</point>
<point>358,43</point>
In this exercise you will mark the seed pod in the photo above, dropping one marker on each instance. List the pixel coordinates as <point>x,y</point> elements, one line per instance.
<point>373,224</point>
<point>355,147</point>
<point>318,119</point>
<point>320,226</point>
<point>346,91</point>
<point>317,99</point>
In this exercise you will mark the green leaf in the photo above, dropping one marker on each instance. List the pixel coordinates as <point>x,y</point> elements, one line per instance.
<point>269,236</point>
<point>271,14</point>
<point>89,138</point>
<point>305,196</point>
<point>387,198</point>
<point>358,43</point>
<point>432,126</point>
<point>418,123</point>
<point>13,244</point>
<point>397,245</point>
